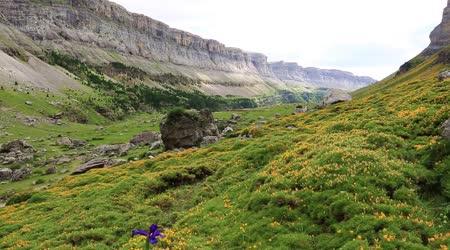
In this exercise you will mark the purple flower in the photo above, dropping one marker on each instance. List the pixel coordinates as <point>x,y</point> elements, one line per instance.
<point>151,235</point>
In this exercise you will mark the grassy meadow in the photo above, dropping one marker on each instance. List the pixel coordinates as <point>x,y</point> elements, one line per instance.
<point>372,173</point>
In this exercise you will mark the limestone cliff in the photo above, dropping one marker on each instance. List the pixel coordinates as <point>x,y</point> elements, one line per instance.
<point>440,37</point>
<point>99,32</point>
<point>292,72</point>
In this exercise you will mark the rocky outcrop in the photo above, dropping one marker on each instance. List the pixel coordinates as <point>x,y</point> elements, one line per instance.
<point>440,36</point>
<point>334,96</point>
<point>186,129</point>
<point>322,78</point>
<point>17,151</point>
<point>107,25</point>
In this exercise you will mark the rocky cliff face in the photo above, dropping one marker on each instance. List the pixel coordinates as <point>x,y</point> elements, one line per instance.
<point>292,72</point>
<point>440,37</point>
<point>99,31</point>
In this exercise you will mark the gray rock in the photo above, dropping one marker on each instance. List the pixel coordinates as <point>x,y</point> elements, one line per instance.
<point>29,103</point>
<point>116,149</point>
<point>17,151</point>
<point>301,109</point>
<point>335,96</point>
<point>146,138</point>
<point>5,174</point>
<point>156,145</point>
<point>186,129</point>
<point>444,75</point>
<point>63,160</point>
<point>98,163</point>
<point>51,170</point>
<point>445,128</point>
<point>21,174</point>
<point>208,140</point>
<point>71,143</point>
<point>227,130</point>
<point>17,145</point>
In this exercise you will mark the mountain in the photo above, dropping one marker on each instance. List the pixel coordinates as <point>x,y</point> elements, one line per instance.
<point>320,78</point>
<point>100,32</point>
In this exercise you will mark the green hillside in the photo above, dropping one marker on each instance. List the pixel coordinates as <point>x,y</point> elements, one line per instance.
<point>372,173</point>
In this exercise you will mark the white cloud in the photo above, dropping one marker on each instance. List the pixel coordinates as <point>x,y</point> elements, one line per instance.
<point>364,36</point>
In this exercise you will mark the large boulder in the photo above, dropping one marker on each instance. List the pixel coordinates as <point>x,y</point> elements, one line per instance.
<point>334,96</point>
<point>445,127</point>
<point>146,138</point>
<point>5,174</point>
<point>187,128</point>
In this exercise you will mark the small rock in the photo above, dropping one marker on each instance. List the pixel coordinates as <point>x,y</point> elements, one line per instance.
<point>301,109</point>
<point>71,143</point>
<point>21,174</point>
<point>208,140</point>
<point>51,170</point>
<point>98,163</point>
<point>156,145</point>
<point>57,116</point>
<point>117,149</point>
<point>444,75</point>
<point>227,130</point>
<point>146,138</point>
<point>63,160</point>
<point>29,103</point>
<point>5,174</point>
<point>445,127</point>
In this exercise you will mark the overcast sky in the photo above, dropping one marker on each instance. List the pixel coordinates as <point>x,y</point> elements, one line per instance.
<point>366,37</point>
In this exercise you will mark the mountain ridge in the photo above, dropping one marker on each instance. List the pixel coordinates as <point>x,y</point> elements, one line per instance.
<point>95,30</point>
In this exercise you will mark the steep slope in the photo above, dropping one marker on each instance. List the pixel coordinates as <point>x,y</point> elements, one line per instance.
<point>370,173</point>
<point>99,32</point>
